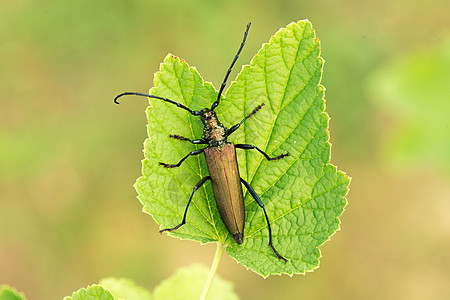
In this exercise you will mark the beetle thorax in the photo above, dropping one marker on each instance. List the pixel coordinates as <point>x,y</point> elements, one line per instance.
<point>213,132</point>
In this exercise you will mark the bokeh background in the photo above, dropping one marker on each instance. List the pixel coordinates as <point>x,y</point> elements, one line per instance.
<point>69,157</point>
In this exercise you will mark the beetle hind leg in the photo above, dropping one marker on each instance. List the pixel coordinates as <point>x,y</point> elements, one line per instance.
<point>196,187</point>
<point>258,200</point>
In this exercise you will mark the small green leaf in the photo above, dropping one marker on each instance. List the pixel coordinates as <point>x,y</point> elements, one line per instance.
<point>303,194</point>
<point>10,293</point>
<point>123,288</point>
<point>93,292</point>
<point>187,283</point>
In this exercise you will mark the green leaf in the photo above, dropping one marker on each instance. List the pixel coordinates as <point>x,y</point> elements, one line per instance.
<point>125,288</point>
<point>10,293</point>
<point>164,192</point>
<point>187,283</point>
<point>93,292</point>
<point>303,194</point>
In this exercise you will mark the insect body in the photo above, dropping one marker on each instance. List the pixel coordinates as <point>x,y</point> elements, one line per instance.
<point>227,188</point>
<point>222,164</point>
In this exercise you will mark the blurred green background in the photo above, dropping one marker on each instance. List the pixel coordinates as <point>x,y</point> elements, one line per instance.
<point>69,157</point>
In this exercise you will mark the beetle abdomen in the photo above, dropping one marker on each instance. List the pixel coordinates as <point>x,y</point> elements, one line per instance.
<point>227,189</point>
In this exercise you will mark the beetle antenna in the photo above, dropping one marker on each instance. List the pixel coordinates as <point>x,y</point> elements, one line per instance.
<point>215,104</point>
<point>195,113</point>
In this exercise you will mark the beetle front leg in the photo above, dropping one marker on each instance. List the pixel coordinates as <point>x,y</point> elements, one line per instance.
<point>195,152</point>
<point>247,146</point>
<point>258,200</point>
<point>235,127</point>
<point>196,187</point>
<point>182,138</point>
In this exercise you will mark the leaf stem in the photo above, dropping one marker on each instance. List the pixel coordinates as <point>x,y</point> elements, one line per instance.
<point>215,264</point>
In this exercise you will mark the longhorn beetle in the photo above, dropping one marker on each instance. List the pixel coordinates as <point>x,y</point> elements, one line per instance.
<point>222,164</point>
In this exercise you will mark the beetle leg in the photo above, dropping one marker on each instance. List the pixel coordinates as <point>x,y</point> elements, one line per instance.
<point>181,138</point>
<point>258,200</point>
<point>247,146</point>
<point>234,127</point>
<point>196,187</point>
<point>195,152</point>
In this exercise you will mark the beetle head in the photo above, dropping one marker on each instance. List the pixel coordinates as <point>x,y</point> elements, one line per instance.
<point>207,115</point>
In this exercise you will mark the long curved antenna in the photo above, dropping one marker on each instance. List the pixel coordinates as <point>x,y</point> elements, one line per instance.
<point>195,112</point>
<point>215,104</point>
